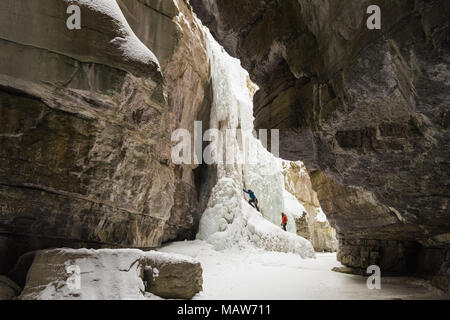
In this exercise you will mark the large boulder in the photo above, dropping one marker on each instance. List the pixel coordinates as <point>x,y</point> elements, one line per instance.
<point>111,274</point>
<point>171,276</point>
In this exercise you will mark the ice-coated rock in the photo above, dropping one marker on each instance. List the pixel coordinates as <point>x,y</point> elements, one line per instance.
<point>86,122</point>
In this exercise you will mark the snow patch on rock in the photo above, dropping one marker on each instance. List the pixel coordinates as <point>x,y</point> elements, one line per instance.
<point>132,48</point>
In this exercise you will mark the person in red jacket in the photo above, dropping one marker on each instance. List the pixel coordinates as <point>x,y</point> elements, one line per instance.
<point>284,221</point>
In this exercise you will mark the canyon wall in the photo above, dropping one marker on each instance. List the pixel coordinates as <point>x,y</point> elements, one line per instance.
<point>171,31</point>
<point>85,123</point>
<point>366,110</point>
<point>313,224</point>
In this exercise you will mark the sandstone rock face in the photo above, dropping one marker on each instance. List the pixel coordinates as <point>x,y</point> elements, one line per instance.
<point>108,274</point>
<point>302,227</point>
<point>443,274</point>
<point>368,109</point>
<point>8,289</point>
<point>172,32</point>
<point>172,277</point>
<point>324,236</point>
<point>312,225</point>
<point>86,119</point>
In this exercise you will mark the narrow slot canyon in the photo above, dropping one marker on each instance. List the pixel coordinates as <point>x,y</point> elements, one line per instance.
<point>156,151</point>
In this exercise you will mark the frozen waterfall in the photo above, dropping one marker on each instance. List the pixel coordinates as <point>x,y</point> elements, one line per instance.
<point>229,221</point>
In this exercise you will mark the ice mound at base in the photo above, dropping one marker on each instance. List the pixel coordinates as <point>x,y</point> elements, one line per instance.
<point>230,222</point>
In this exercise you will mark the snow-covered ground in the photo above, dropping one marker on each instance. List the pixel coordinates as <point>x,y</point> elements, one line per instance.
<point>261,275</point>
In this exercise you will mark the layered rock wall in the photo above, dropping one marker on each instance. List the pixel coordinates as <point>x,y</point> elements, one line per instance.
<point>86,122</point>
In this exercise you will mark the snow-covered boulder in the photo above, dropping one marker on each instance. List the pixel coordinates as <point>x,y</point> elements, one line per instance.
<point>110,274</point>
<point>173,276</point>
<point>123,47</point>
<point>297,216</point>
